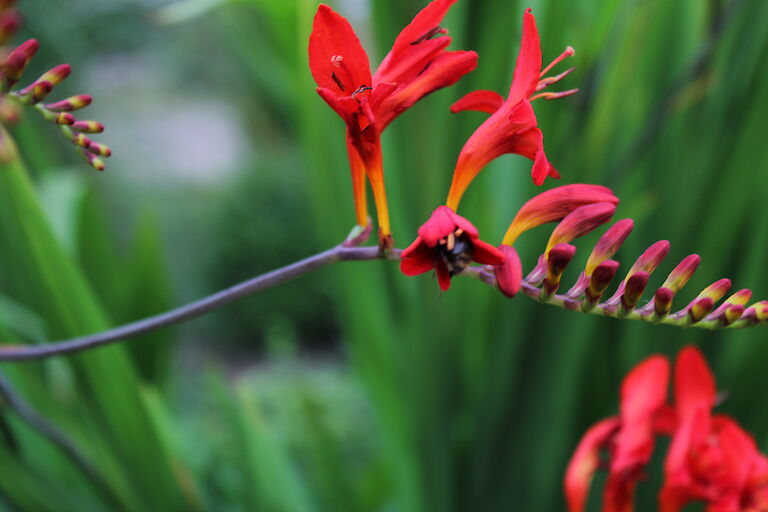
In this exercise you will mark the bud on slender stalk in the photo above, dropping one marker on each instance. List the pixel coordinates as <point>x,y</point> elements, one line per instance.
<point>635,286</point>
<point>682,273</point>
<point>579,222</point>
<point>598,283</point>
<point>608,244</point>
<point>558,259</point>
<point>662,302</point>
<point>88,126</point>
<point>17,62</point>
<point>70,104</point>
<point>700,308</point>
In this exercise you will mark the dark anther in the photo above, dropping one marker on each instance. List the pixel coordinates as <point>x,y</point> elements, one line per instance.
<point>338,82</point>
<point>456,251</point>
<point>360,89</point>
<point>428,35</point>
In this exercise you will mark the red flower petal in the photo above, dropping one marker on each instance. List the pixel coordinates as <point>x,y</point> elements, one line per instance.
<point>487,254</point>
<point>585,462</point>
<point>417,258</point>
<point>443,71</point>
<point>643,393</point>
<point>336,58</point>
<point>443,222</point>
<point>481,101</point>
<point>694,383</point>
<point>443,276</point>
<point>554,205</point>
<point>528,66</point>
<point>509,275</point>
<point>418,29</point>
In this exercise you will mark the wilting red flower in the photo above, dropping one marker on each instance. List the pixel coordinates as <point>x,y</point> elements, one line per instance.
<point>711,458</point>
<point>447,242</point>
<point>512,127</point>
<point>628,439</point>
<point>417,65</point>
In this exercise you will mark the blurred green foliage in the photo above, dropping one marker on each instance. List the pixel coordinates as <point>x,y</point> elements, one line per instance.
<point>461,401</point>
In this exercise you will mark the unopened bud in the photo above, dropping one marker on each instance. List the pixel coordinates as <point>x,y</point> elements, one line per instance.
<point>17,61</point>
<point>64,118</point>
<point>56,75</point>
<point>700,308</point>
<point>662,301</point>
<point>731,313</point>
<point>70,104</point>
<point>9,24</point>
<point>88,126</point>
<point>682,273</point>
<point>579,222</point>
<point>599,281</point>
<point>103,150</point>
<point>635,286</point>
<point>608,244</point>
<point>558,259</point>
<point>93,160</point>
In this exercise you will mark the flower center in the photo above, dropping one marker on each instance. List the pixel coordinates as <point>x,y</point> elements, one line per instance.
<point>455,251</point>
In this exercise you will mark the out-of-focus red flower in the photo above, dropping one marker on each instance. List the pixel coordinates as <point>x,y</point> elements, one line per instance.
<point>711,458</point>
<point>447,242</point>
<point>512,127</point>
<point>417,65</point>
<point>628,439</point>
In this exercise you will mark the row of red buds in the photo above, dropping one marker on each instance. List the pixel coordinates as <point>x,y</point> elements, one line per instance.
<point>600,270</point>
<point>710,459</point>
<point>59,112</point>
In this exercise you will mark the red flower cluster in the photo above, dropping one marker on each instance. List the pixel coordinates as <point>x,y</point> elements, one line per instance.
<point>512,128</point>
<point>417,65</point>
<point>711,459</point>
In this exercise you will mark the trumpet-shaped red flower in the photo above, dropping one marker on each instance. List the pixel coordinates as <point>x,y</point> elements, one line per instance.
<point>417,65</point>
<point>512,127</point>
<point>628,439</point>
<point>447,242</point>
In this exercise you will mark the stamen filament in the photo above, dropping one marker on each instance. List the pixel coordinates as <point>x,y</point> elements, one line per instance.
<point>567,53</point>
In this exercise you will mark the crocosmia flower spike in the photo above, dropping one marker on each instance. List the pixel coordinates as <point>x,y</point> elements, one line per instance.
<point>417,65</point>
<point>33,95</point>
<point>447,243</point>
<point>512,127</point>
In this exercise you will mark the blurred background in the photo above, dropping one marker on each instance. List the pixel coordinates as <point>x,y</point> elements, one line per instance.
<point>355,388</point>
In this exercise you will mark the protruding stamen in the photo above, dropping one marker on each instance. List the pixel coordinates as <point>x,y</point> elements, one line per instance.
<point>338,82</point>
<point>451,241</point>
<point>569,51</point>
<point>554,95</point>
<point>429,34</point>
<point>546,82</point>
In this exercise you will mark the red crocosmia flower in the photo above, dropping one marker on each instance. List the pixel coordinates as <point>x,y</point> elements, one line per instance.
<point>447,242</point>
<point>512,127</point>
<point>711,458</point>
<point>628,439</point>
<point>417,65</point>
